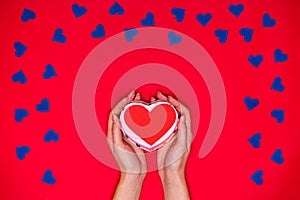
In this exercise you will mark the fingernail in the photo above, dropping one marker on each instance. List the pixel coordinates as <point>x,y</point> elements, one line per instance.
<point>130,95</point>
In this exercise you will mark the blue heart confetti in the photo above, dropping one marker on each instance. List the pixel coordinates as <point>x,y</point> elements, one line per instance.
<point>50,72</point>
<point>267,21</point>
<point>116,8</point>
<point>173,38</point>
<point>257,177</point>
<point>255,60</point>
<point>251,103</point>
<point>236,10</point>
<point>221,35</point>
<point>19,77</point>
<point>99,32</point>
<point>277,85</point>
<point>78,10</point>
<point>20,49</point>
<point>27,15</point>
<point>247,33</point>
<point>44,106</point>
<point>21,152</point>
<point>48,177</point>
<point>279,56</point>
<point>20,114</point>
<point>148,20</point>
<point>130,34</point>
<point>179,14</point>
<point>278,115</point>
<point>59,36</point>
<point>51,136</point>
<point>277,157</point>
<point>204,19</point>
<point>254,140</point>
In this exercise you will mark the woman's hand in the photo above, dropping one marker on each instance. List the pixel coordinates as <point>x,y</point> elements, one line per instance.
<point>130,158</point>
<point>172,158</point>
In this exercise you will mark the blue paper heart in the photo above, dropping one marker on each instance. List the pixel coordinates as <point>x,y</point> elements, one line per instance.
<point>20,49</point>
<point>48,177</point>
<point>257,177</point>
<point>222,35</point>
<point>179,14</point>
<point>277,157</point>
<point>148,20</point>
<point>204,18</point>
<point>21,152</point>
<point>247,33</point>
<point>51,136</point>
<point>255,60</point>
<point>251,103</point>
<point>268,21</point>
<point>50,72</point>
<point>116,8</point>
<point>27,15</point>
<point>99,32</point>
<point>59,36</point>
<point>20,114</point>
<point>19,77</point>
<point>78,10</point>
<point>278,115</point>
<point>277,85</point>
<point>130,34</point>
<point>255,140</point>
<point>236,10</point>
<point>173,38</point>
<point>44,106</point>
<point>279,56</point>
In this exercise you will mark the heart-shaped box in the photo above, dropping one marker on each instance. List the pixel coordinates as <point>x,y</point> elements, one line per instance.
<point>149,126</point>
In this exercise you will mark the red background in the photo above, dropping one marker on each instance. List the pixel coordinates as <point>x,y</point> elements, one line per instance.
<point>223,174</point>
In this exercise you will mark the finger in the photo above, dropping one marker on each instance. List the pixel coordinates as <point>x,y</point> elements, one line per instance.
<point>161,96</point>
<point>152,99</point>
<point>176,104</point>
<point>117,136</point>
<point>182,133</point>
<point>137,97</point>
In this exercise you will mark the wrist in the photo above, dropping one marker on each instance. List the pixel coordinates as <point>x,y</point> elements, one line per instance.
<point>132,178</point>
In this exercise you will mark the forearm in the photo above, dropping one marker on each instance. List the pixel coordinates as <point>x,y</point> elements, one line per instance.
<point>175,186</point>
<point>129,186</point>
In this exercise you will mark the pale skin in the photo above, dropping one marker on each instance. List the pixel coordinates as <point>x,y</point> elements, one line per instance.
<point>171,158</point>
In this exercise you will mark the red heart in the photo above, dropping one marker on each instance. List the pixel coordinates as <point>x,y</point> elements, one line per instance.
<point>149,122</point>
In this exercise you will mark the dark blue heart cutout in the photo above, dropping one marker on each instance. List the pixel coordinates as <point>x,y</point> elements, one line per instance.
<point>236,10</point>
<point>78,10</point>
<point>19,77</point>
<point>20,49</point>
<point>277,85</point>
<point>27,15</point>
<point>268,21</point>
<point>148,20</point>
<point>179,14</point>
<point>130,34</point>
<point>251,103</point>
<point>116,8</point>
<point>51,136</point>
<point>247,33</point>
<point>59,36</point>
<point>257,177</point>
<point>21,152</point>
<point>255,60</point>
<point>44,106</point>
<point>99,32</point>
<point>278,115</point>
<point>255,140</point>
<point>277,157</point>
<point>222,35</point>
<point>279,56</point>
<point>174,38</point>
<point>20,114</point>
<point>50,72</point>
<point>48,177</point>
<point>204,19</point>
